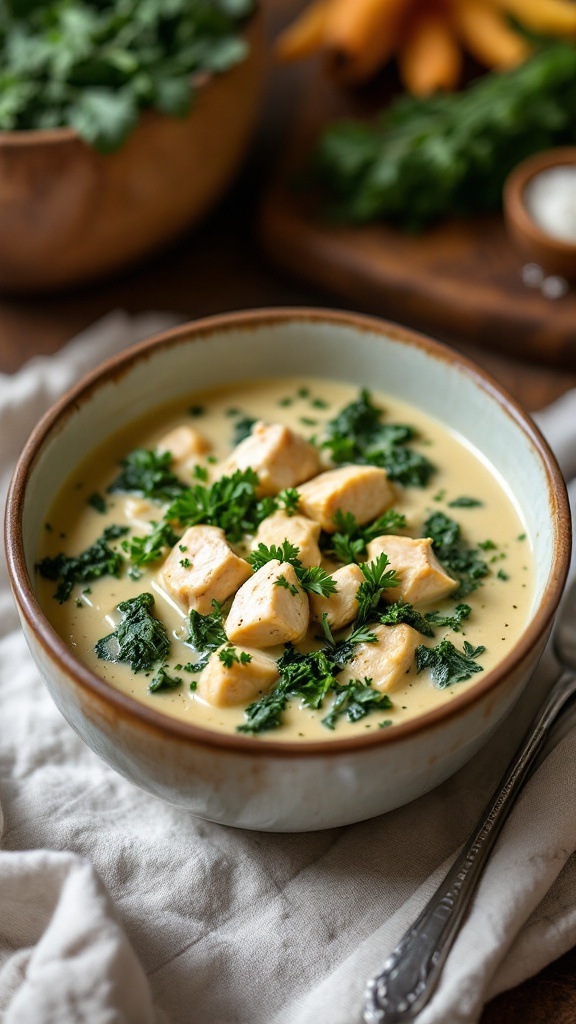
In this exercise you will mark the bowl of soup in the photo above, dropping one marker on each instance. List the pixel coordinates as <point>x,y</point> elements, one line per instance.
<point>287,569</point>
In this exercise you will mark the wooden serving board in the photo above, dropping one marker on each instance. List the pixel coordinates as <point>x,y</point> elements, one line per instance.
<point>461,280</point>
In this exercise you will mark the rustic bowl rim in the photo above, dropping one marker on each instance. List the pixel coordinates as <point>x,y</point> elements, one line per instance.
<point>515,203</point>
<point>126,706</point>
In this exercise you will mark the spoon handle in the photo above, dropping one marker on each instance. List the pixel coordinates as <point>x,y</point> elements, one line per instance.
<point>412,970</point>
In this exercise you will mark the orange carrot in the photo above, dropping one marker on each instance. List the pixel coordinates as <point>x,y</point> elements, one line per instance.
<point>487,35</point>
<point>429,57</point>
<point>305,35</point>
<point>361,36</point>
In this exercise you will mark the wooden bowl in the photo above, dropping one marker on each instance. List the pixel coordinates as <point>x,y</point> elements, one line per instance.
<point>68,213</point>
<point>553,254</point>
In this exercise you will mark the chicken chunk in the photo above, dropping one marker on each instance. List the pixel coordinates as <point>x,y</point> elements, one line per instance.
<point>386,662</point>
<point>363,490</point>
<point>299,530</point>
<point>422,577</point>
<point>201,568</point>
<point>271,608</point>
<point>280,457</point>
<point>184,444</point>
<point>341,608</point>
<point>226,683</point>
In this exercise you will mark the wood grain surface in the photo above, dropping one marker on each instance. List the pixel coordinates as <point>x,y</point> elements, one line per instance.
<point>221,266</point>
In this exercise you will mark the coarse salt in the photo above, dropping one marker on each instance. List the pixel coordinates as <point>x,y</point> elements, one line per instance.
<point>550,198</point>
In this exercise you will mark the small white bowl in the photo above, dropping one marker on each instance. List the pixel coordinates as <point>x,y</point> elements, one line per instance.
<point>238,779</point>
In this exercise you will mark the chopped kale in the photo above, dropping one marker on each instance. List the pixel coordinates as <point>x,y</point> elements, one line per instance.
<point>453,621</point>
<point>148,473</point>
<point>97,560</point>
<point>404,612</point>
<point>163,681</point>
<point>461,561</point>
<point>242,429</point>
<point>448,665</point>
<point>465,502</point>
<point>358,435</point>
<point>355,699</point>
<point>98,502</point>
<point>140,639</point>
<point>206,635</point>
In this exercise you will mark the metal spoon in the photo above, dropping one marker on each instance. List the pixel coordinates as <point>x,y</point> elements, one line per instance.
<point>411,972</point>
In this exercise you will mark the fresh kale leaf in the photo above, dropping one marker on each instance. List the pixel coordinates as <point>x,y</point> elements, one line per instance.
<point>404,612</point>
<point>97,560</point>
<point>357,434</point>
<point>148,473</point>
<point>164,681</point>
<point>448,665</point>
<point>447,154</point>
<point>140,639</point>
<point>95,64</point>
<point>461,561</point>
<point>206,635</point>
<point>454,621</point>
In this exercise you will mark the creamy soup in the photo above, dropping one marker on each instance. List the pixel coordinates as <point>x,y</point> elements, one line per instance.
<point>457,607</point>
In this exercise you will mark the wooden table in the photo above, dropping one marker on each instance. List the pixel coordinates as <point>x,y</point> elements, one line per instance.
<point>219,267</point>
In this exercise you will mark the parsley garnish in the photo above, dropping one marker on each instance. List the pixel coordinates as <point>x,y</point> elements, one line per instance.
<point>462,562</point>
<point>229,656</point>
<point>230,503</point>
<point>94,65</point>
<point>97,560</point>
<point>358,435</point>
<point>283,582</point>
<point>206,635</point>
<point>151,547</point>
<point>148,473</point>
<point>465,502</point>
<point>376,581</point>
<point>314,580</point>
<point>350,541</point>
<point>140,639</point>
<point>448,665</point>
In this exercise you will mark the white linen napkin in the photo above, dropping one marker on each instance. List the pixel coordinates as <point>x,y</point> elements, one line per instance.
<point>116,908</point>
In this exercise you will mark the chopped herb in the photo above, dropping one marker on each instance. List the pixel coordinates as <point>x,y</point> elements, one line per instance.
<point>376,581</point>
<point>487,545</point>
<point>404,612</point>
<point>151,547</point>
<point>196,410</point>
<point>385,723</point>
<point>319,403</point>
<point>285,402</point>
<point>358,435</point>
<point>200,473</point>
<point>521,536</point>
<point>350,541</point>
<point>303,392</point>
<point>502,575</point>
<point>342,651</point>
<point>206,635</point>
<point>230,503</point>
<point>229,656</point>
<point>164,681</point>
<point>96,561</point>
<point>242,429</point>
<point>308,421</point>
<point>288,500</point>
<point>98,502</point>
<point>454,621</point>
<point>140,639</point>
<point>48,527</point>
<point>464,502</point>
<point>448,665</point>
<point>313,580</point>
<point>283,582</point>
<point>461,562</point>
<point>355,699</point>
<point>148,473</point>
<point>185,563</point>
<point>182,547</point>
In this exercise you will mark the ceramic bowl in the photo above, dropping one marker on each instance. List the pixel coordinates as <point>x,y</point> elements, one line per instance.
<point>69,214</point>
<point>554,255</point>
<point>238,779</point>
